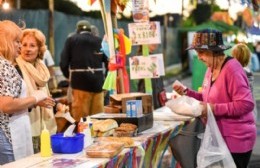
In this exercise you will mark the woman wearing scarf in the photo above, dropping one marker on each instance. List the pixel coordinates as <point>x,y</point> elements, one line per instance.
<point>15,132</point>
<point>36,76</point>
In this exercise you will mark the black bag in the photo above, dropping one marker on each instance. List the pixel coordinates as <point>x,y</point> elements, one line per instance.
<point>159,93</point>
<point>185,145</point>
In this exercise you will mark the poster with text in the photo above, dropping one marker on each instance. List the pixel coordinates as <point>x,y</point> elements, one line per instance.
<point>144,33</point>
<point>146,67</point>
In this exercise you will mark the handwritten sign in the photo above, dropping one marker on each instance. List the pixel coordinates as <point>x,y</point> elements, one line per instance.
<point>144,33</point>
<point>146,67</point>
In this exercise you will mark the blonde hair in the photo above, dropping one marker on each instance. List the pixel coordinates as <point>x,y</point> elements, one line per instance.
<point>242,53</point>
<point>39,37</point>
<point>9,32</point>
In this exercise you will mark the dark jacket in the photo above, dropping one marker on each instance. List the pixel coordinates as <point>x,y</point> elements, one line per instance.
<point>82,51</point>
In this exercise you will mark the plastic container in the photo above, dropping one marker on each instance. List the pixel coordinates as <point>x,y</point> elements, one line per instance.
<point>104,149</point>
<point>68,145</point>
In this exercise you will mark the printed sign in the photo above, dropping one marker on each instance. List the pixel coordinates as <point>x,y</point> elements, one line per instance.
<point>146,67</point>
<point>144,33</point>
<point>140,10</point>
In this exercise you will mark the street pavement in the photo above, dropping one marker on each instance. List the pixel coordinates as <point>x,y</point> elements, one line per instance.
<point>186,80</point>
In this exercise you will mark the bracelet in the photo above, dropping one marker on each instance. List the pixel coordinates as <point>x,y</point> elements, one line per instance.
<point>185,91</point>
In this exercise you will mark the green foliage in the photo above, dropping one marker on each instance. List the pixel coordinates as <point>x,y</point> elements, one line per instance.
<point>67,7</point>
<point>189,22</point>
<point>215,8</point>
<point>218,25</point>
<point>201,14</point>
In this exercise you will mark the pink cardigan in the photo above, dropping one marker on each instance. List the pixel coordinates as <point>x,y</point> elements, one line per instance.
<point>233,105</point>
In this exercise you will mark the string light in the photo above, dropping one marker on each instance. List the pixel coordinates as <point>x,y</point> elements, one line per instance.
<point>6,5</point>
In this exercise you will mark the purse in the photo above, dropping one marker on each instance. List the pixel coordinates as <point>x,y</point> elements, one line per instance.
<point>186,144</point>
<point>162,97</point>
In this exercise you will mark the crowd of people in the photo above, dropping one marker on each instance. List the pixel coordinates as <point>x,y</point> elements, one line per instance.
<point>26,103</point>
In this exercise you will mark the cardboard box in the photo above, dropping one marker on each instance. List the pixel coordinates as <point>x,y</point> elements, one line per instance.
<point>121,99</point>
<point>112,109</point>
<point>134,108</point>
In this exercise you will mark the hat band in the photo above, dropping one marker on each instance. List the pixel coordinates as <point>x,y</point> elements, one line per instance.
<point>201,39</point>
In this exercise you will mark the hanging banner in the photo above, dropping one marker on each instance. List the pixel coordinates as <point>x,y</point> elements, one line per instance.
<point>140,10</point>
<point>146,66</point>
<point>144,33</point>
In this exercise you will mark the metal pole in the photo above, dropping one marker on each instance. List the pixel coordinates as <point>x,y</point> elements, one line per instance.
<point>51,27</point>
<point>165,27</point>
<point>18,4</point>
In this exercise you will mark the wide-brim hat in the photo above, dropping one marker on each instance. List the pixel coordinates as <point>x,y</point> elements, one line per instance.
<point>208,39</point>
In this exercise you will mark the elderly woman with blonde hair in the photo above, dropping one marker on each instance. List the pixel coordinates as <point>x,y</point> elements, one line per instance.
<point>36,76</point>
<point>242,53</point>
<point>15,132</point>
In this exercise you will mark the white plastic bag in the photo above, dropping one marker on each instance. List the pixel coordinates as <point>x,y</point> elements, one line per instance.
<point>213,150</point>
<point>185,105</point>
<point>166,114</point>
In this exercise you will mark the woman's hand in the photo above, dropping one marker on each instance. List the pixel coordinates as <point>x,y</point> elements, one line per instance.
<point>180,89</point>
<point>49,102</point>
<point>204,107</point>
<point>39,95</point>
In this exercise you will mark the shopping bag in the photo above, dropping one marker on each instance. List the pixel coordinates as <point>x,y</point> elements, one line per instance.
<point>213,151</point>
<point>185,145</point>
<point>185,105</point>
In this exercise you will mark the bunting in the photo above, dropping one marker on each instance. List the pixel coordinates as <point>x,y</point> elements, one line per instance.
<point>91,2</point>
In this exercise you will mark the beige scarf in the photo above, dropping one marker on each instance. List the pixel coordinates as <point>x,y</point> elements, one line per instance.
<point>36,77</point>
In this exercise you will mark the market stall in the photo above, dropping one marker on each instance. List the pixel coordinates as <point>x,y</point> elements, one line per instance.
<point>153,134</point>
<point>148,149</point>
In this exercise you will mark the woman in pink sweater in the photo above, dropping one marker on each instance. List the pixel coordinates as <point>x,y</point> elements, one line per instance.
<point>226,89</point>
